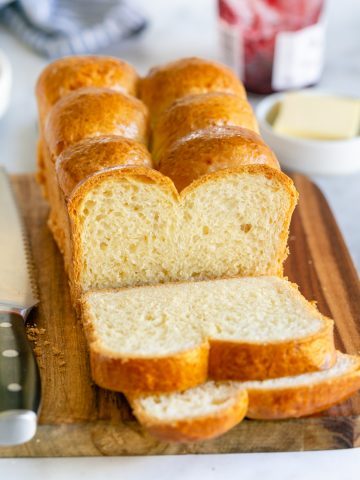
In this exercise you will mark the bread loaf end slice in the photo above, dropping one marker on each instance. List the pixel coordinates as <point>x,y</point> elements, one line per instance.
<point>199,413</point>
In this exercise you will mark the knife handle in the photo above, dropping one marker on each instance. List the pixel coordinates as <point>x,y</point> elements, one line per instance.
<point>20,387</point>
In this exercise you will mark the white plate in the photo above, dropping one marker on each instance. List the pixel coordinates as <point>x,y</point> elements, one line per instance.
<point>330,157</point>
<point>5,83</point>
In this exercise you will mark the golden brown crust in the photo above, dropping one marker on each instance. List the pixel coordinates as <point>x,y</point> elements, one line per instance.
<point>264,169</point>
<point>187,76</point>
<point>40,161</point>
<point>67,74</point>
<point>197,428</point>
<point>151,375</point>
<point>91,112</point>
<point>197,112</point>
<point>231,360</point>
<point>212,149</point>
<point>302,400</point>
<point>94,154</point>
<point>58,233</point>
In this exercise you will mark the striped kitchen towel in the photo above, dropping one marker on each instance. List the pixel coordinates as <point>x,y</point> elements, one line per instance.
<point>56,28</point>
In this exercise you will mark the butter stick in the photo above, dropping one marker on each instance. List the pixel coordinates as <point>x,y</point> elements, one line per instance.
<point>319,117</point>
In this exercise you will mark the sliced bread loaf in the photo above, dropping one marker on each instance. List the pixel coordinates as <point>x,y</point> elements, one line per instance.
<point>213,408</point>
<point>199,413</point>
<point>131,227</point>
<point>174,336</point>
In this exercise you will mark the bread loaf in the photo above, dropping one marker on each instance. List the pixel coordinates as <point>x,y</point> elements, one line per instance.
<point>213,408</point>
<point>187,76</point>
<point>213,149</point>
<point>197,112</point>
<point>131,227</point>
<point>219,207</point>
<point>174,336</point>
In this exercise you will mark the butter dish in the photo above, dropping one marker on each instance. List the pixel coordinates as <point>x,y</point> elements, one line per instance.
<point>306,155</point>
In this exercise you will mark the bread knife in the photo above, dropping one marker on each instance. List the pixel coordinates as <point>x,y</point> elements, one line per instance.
<point>20,389</point>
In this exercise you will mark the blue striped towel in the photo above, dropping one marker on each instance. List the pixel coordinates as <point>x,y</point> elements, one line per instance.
<point>56,28</point>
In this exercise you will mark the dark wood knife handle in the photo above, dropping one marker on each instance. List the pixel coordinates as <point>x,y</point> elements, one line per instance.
<point>20,387</point>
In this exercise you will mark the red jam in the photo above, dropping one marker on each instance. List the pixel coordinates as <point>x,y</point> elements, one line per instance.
<point>252,28</point>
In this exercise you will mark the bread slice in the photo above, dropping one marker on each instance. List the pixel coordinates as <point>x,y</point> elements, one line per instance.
<point>213,408</point>
<point>131,227</point>
<point>172,337</point>
<point>199,413</point>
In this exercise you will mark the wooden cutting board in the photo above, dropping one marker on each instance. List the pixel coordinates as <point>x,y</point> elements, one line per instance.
<point>77,418</point>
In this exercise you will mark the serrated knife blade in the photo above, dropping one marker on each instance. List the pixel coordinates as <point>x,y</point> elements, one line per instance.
<point>20,389</point>
<point>17,287</point>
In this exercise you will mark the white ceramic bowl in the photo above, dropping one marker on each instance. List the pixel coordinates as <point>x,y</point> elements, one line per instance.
<point>330,157</point>
<point>5,83</point>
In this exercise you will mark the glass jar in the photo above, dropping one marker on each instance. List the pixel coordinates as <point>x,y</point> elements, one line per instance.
<point>273,45</point>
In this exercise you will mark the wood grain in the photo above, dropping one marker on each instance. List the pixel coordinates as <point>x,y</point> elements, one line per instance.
<point>78,418</point>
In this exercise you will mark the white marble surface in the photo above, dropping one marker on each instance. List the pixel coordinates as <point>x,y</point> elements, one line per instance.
<point>342,464</point>
<point>180,28</point>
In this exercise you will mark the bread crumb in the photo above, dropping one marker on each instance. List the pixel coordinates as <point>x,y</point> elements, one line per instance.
<point>37,351</point>
<point>32,333</point>
<point>42,331</point>
<point>46,343</point>
<point>56,351</point>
